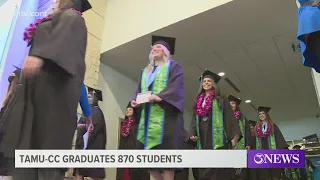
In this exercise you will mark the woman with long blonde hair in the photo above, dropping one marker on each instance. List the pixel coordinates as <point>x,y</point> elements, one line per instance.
<point>269,137</point>
<point>161,118</point>
<point>43,115</point>
<point>213,124</point>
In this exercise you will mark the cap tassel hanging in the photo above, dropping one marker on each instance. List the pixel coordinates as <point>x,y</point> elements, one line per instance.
<point>201,80</point>
<point>93,95</point>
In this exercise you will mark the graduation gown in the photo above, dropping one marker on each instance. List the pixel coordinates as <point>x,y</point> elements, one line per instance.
<point>249,141</point>
<point>43,113</point>
<point>172,103</point>
<point>308,31</point>
<point>4,169</point>
<point>265,174</point>
<point>97,140</point>
<point>184,173</point>
<point>231,127</point>
<point>130,142</point>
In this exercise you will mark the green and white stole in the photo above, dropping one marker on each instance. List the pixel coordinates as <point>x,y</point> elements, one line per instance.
<point>242,124</point>
<point>218,133</point>
<point>151,128</point>
<point>271,142</point>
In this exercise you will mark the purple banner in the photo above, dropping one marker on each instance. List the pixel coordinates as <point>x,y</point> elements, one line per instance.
<point>276,159</point>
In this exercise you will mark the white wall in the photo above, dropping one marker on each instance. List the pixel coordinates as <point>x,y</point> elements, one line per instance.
<point>296,129</point>
<point>128,20</point>
<point>117,92</point>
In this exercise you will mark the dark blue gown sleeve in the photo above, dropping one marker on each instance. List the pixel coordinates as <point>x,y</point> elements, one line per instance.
<point>84,102</point>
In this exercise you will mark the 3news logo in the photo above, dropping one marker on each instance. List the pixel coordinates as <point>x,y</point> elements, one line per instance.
<point>276,159</point>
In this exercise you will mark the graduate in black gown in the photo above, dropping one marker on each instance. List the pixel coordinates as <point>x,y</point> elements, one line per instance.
<point>221,132</point>
<point>184,173</point>
<point>297,173</point>
<point>269,137</point>
<point>128,140</point>
<point>161,119</point>
<point>13,79</point>
<point>252,124</point>
<point>248,140</point>
<point>98,137</point>
<point>43,115</point>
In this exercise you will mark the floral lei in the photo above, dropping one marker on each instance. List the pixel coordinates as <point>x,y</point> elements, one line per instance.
<point>30,31</point>
<point>259,130</point>
<point>203,111</point>
<point>237,114</point>
<point>126,125</point>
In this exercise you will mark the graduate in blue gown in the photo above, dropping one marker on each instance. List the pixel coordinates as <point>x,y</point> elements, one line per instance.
<point>309,33</point>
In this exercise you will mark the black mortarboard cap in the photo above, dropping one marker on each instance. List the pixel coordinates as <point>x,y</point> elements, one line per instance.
<point>211,75</point>
<point>168,42</point>
<point>251,122</point>
<point>129,105</point>
<point>234,99</point>
<point>83,5</point>
<point>265,109</point>
<point>16,72</point>
<point>296,147</point>
<point>97,92</point>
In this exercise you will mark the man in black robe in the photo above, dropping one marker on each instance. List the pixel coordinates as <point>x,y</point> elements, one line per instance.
<point>98,137</point>
<point>43,112</point>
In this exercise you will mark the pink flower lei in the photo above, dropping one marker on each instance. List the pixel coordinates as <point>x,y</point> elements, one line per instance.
<point>259,130</point>
<point>31,30</point>
<point>237,114</point>
<point>126,126</point>
<point>203,111</point>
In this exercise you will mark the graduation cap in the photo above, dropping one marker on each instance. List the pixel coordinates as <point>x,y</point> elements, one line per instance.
<point>296,147</point>
<point>265,109</point>
<point>168,42</point>
<point>129,105</point>
<point>97,92</point>
<point>251,122</point>
<point>16,73</point>
<point>234,99</point>
<point>83,5</point>
<point>209,74</point>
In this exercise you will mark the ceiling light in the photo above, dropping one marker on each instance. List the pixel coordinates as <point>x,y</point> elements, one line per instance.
<point>221,74</point>
<point>248,101</point>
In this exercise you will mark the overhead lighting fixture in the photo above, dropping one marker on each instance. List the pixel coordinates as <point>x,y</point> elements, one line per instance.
<point>248,101</point>
<point>221,74</point>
